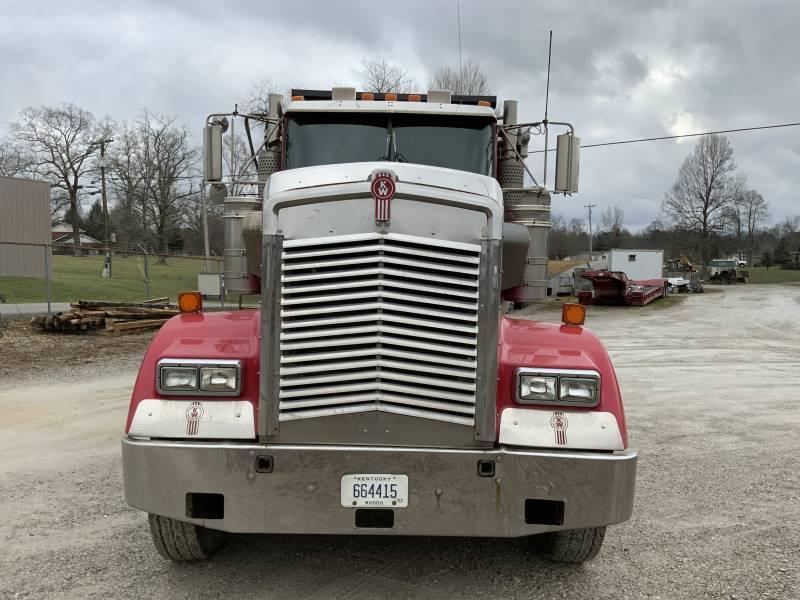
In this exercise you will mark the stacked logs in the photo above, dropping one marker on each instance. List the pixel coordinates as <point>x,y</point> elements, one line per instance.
<point>109,318</point>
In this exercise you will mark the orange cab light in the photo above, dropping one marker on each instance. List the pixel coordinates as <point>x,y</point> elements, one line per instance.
<point>296,98</point>
<point>390,96</point>
<point>367,96</point>
<point>484,103</point>
<point>573,314</point>
<point>189,302</point>
<point>414,98</point>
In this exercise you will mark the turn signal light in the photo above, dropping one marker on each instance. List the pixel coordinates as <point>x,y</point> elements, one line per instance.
<point>390,97</point>
<point>189,302</point>
<point>573,314</point>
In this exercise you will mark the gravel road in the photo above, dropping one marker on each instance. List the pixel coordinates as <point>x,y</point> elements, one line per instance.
<point>711,389</point>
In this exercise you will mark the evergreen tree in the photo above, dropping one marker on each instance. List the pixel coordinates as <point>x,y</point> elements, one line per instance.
<point>783,255</point>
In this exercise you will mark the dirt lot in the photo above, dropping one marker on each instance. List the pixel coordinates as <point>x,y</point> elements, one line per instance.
<point>711,386</point>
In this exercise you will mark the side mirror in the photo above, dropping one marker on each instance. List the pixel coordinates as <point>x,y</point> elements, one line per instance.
<point>212,151</point>
<point>568,158</point>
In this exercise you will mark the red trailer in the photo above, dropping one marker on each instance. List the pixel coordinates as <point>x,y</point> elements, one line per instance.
<point>614,287</point>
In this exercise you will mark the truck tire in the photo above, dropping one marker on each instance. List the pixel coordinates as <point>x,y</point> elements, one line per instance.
<point>180,541</point>
<point>571,545</point>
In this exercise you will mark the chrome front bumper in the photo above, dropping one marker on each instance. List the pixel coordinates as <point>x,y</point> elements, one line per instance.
<point>447,496</point>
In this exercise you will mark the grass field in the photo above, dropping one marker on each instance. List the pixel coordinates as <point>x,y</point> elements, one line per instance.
<point>773,275</point>
<point>80,278</point>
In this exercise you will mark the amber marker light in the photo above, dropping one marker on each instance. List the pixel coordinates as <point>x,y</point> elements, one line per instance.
<point>298,98</point>
<point>484,103</point>
<point>390,97</point>
<point>190,302</point>
<point>414,98</point>
<point>367,96</point>
<point>573,314</point>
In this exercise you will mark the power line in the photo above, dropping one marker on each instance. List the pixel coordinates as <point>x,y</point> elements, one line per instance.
<point>675,137</point>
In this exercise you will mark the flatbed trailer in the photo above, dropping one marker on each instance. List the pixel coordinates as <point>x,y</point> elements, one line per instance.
<point>614,288</point>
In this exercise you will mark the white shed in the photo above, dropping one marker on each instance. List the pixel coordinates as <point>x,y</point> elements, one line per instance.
<point>637,264</point>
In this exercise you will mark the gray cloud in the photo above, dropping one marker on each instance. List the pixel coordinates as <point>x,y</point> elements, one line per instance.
<point>625,69</point>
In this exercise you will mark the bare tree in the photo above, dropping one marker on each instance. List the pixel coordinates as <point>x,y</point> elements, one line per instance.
<point>699,198</point>
<point>611,222</point>
<point>62,140</point>
<point>257,100</point>
<point>379,75</point>
<point>471,80</point>
<point>14,161</point>
<point>612,217</point>
<point>748,211</point>
<point>169,164</point>
<point>576,226</point>
<point>237,163</point>
<point>128,172</point>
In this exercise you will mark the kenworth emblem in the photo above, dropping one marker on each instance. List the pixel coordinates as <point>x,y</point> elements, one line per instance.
<point>559,423</point>
<point>193,415</point>
<point>383,189</point>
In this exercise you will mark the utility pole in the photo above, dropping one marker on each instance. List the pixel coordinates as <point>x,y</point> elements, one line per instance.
<point>590,207</point>
<point>103,143</point>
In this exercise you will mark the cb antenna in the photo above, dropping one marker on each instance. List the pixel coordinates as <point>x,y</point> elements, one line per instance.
<point>460,71</point>
<point>546,104</point>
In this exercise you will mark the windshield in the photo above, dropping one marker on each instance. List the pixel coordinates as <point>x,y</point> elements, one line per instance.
<point>459,143</point>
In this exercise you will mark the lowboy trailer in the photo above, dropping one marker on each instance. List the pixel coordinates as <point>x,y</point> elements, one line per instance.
<point>382,388</point>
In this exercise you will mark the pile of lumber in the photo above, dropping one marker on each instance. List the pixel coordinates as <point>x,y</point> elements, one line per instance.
<point>109,318</point>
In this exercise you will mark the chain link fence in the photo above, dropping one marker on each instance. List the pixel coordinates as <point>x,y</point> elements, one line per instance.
<point>40,279</point>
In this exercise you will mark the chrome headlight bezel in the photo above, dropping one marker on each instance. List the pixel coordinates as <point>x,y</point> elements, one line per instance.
<point>198,365</point>
<point>559,375</point>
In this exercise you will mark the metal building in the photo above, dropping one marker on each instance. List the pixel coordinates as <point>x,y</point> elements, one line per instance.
<point>24,227</point>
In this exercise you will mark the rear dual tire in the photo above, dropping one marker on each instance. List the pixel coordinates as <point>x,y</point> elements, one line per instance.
<point>181,541</point>
<point>571,546</point>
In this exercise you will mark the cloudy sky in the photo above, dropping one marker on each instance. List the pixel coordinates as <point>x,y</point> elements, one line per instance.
<point>623,69</point>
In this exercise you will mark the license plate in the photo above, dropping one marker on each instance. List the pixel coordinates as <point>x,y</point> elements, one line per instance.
<point>375,490</point>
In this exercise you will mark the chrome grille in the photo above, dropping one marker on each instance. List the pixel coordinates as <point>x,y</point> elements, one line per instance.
<point>383,322</point>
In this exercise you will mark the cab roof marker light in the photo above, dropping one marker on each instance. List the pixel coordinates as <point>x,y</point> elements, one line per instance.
<point>414,98</point>
<point>298,98</point>
<point>367,96</point>
<point>390,97</point>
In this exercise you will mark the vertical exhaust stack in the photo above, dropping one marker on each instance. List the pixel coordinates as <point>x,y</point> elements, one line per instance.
<point>242,215</point>
<point>529,207</point>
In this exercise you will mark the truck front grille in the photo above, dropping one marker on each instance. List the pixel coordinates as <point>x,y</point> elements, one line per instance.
<point>382,322</point>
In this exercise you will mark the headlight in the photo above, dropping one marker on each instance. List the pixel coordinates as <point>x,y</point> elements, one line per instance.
<point>199,377</point>
<point>537,388</point>
<point>219,379</point>
<point>553,386</point>
<point>579,391</point>
<point>178,379</point>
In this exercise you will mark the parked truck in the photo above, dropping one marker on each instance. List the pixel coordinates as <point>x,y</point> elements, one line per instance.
<point>383,387</point>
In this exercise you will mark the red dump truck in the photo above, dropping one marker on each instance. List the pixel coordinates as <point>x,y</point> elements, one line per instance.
<point>383,388</point>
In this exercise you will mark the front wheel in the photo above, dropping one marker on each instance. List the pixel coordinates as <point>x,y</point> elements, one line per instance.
<point>571,545</point>
<point>181,541</point>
